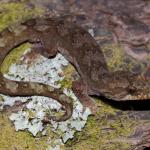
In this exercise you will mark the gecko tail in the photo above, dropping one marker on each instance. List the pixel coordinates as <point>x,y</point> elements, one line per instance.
<point>19,88</point>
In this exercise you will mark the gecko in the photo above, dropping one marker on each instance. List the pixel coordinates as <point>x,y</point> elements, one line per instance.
<point>50,36</point>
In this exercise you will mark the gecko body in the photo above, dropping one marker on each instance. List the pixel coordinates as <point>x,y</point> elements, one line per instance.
<point>82,51</point>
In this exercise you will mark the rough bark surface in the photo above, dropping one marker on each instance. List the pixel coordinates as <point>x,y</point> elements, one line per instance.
<point>115,21</point>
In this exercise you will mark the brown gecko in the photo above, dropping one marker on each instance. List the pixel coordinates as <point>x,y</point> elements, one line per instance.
<point>81,50</point>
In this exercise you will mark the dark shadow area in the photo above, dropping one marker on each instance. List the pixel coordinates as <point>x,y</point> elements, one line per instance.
<point>147,148</point>
<point>138,105</point>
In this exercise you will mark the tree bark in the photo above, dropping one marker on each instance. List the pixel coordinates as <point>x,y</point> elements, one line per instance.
<point>126,22</point>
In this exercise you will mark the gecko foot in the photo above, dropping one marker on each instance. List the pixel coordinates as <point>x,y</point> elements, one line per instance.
<point>88,102</point>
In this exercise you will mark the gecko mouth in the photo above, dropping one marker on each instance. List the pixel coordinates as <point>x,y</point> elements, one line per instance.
<point>137,97</point>
<point>129,94</point>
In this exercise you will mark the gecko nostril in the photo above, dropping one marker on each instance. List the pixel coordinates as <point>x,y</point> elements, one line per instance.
<point>37,40</point>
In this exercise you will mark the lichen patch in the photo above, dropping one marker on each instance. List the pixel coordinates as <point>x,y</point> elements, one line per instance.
<point>46,71</point>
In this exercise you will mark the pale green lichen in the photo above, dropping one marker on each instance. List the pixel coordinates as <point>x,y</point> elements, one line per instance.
<point>117,59</point>
<point>10,139</point>
<point>14,57</point>
<point>68,71</point>
<point>114,55</point>
<point>32,114</point>
<point>102,133</point>
<point>1,99</point>
<point>67,81</point>
<point>13,13</point>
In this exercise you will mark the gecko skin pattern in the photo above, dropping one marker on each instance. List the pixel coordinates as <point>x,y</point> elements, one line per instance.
<point>81,50</point>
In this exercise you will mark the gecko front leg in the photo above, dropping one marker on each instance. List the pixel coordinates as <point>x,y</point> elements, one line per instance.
<point>80,90</point>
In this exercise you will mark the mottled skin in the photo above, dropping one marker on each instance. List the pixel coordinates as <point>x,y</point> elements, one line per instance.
<point>51,36</point>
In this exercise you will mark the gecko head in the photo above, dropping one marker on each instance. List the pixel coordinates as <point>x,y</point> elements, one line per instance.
<point>139,89</point>
<point>122,87</point>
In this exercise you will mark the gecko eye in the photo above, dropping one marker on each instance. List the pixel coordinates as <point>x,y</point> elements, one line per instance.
<point>131,90</point>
